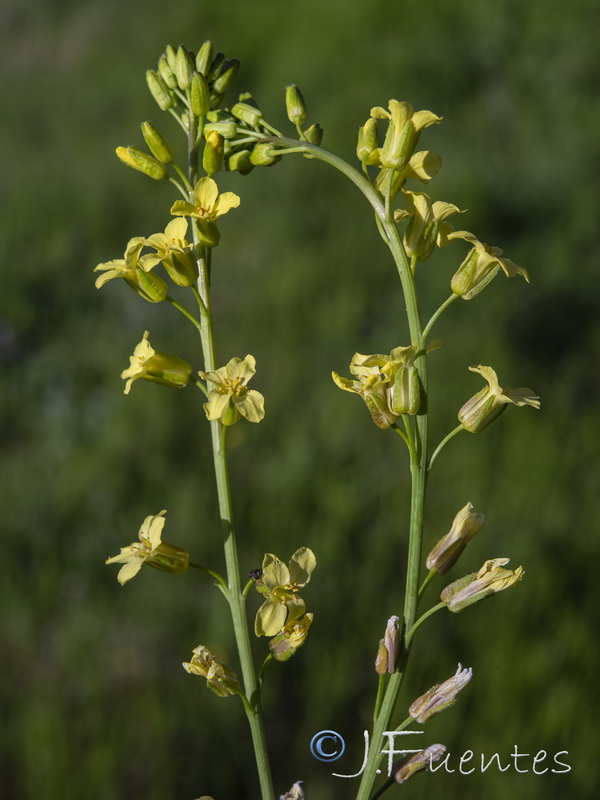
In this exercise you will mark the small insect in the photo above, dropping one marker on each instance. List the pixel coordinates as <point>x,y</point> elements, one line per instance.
<point>255,574</point>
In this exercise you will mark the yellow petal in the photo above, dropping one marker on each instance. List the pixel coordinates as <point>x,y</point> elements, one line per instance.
<point>274,572</point>
<point>302,564</point>
<point>270,618</point>
<point>225,203</point>
<point>130,570</point>
<point>206,193</point>
<point>251,406</point>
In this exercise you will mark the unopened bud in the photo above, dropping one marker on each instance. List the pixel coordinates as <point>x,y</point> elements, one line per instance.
<point>409,766</point>
<point>227,128</point>
<point>171,56</point>
<point>264,155</point>
<point>204,58</point>
<point>295,106</point>
<point>227,76</point>
<point>440,696</point>
<point>240,162</point>
<point>367,139</point>
<point>184,67</point>
<point>212,158</point>
<point>159,90</point>
<point>159,146</point>
<point>450,547</point>
<point>246,113</point>
<point>199,95</point>
<point>314,134</point>
<point>381,660</point>
<point>142,162</point>
<point>216,67</point>
<point>166,73</point>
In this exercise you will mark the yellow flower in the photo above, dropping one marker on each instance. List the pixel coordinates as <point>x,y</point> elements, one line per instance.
<point>426,225</point>
<point>175,252</point>
<point>491,578</point>
<point>489,403</point>
<point>450,547</point>
<point>230,396</point>
<point>480,266</point>
<point>151,287</point>
<point>222,680</point>
<point>207,207</point>
<point>150,550</point>
<point>157,367</point>
<point>279,584</point>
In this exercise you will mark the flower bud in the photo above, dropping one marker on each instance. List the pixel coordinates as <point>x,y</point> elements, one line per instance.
<point>264,154</point>
<point>450,547</point>
<point>204,58</point>
<point>184,68</point>
<point>215,67</point>
<point>227,128</point>
<point>142,162</point>
<point>166,73</point>
<point>405,768</point>
<point>247,114</point>
<point>199,95</point>
<point>440,696</point>
<point>240,162</point>
<point>295,106</point>
<point>227,76</point>
<point>171,56</point>
<point>491,578</point>
<point>314,134</point>
<point>159,90</point>
<point>367,139</point>
<point>212,157</point>
<point>159,146</point>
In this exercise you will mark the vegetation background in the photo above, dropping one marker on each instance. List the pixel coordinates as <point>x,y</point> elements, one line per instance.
<point>93,700</point>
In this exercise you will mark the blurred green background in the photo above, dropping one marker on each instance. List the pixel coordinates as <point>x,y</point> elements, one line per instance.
<point>93,699</point>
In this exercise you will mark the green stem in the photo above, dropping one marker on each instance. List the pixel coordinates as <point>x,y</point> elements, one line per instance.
<point>379,698</point>
<point>427,581</point>
<point>442,444</point>
<point>421,620</point>
<point>235,589</point>
<point>437,314</point>
<point>184,311</point>
<point>219,578</point>
<point>418,466</point>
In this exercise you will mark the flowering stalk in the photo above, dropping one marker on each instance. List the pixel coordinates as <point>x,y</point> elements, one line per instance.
<point>218,434</point>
